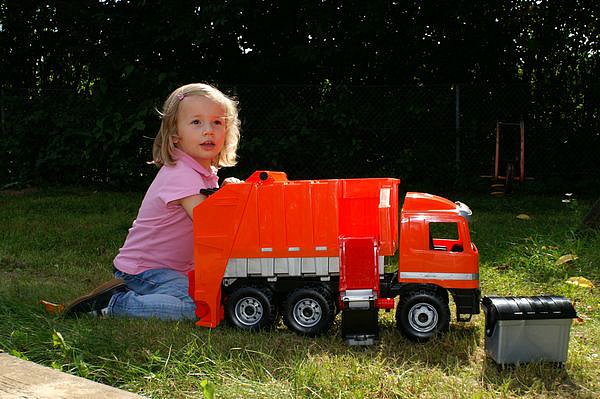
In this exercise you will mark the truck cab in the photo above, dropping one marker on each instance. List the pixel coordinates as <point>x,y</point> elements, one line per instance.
<point>436,257</point>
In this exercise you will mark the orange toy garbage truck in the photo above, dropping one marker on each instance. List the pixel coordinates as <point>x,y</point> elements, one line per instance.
<point>309,249</point>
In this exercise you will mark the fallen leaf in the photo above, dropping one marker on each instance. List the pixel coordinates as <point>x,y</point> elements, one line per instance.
<point>52,308</point>
<point>579,320</point>
<point>208,389</point>
<point>566,258</point>
<point>549,247</point>
<point>580,282</point>
<point>523,216</point>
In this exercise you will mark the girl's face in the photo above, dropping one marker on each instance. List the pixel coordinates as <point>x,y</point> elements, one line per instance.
<point>200,129</point>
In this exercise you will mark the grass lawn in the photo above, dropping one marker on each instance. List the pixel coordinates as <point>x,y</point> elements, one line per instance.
<point>59,244</point>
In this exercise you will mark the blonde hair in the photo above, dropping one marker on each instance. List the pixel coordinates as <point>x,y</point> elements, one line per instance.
<point>164,146</point>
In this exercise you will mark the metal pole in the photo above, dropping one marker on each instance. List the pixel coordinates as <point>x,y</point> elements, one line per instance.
<point>2,112</point>
<point>497,157</point>
<point>522,160</point>
<point>457,129</point>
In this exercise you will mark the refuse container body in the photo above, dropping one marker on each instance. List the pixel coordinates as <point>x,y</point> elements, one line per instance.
<point>527,329</point>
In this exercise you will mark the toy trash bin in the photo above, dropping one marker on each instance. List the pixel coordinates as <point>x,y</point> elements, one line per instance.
<point>526,329</point>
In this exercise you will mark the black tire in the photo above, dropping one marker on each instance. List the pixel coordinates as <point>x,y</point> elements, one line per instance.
<point>309,311</point>
<point>422,314</point>
<point>251,308</point>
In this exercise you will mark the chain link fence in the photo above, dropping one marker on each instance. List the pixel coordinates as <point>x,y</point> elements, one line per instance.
<point>439,136</point>
<point>435,136</point>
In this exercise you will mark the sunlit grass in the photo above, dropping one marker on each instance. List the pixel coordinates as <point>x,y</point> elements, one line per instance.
<point>56,245</point>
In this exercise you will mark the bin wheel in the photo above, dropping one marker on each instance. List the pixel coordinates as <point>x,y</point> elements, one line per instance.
<point>422,314</point>
<point>251,308</point>
<point>309,311</point>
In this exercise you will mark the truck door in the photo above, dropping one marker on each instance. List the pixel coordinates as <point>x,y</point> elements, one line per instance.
<point>444,245</point>
<point>434,250</point>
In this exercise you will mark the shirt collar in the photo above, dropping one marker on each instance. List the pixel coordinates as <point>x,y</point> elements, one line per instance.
<point>181,156</point>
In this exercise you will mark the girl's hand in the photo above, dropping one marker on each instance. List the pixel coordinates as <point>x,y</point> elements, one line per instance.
<point>233,180</point>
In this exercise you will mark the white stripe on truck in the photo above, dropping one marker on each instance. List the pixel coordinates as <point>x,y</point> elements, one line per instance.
<point>438,276</point>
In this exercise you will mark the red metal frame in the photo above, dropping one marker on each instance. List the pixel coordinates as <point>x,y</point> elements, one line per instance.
<point>497,165</point>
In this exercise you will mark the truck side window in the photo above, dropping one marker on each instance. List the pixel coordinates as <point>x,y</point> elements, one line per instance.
<point>443,236</point>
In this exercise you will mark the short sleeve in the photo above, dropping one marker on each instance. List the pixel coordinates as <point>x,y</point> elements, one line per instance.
<point>179,182</point>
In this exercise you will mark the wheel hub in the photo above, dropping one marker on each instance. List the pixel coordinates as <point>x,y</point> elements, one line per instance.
<point>307,312</point>
<point>249,311</point>
<point>423,317</point>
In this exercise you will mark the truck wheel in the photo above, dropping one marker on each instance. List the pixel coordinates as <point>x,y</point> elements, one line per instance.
<point>309,311</point>
<point>251,308</point>
<point>422,314</point>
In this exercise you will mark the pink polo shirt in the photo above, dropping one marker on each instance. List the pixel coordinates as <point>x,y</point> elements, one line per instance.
<point>162,234</point>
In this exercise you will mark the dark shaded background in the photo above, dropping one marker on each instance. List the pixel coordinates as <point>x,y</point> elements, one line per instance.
<point>327,88</point>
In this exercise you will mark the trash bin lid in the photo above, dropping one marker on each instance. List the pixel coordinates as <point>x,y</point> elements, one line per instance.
<point>525,308</point>
<point>528,308</point>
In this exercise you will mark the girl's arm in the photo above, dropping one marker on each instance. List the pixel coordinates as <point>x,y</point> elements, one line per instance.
<point>189,203</point>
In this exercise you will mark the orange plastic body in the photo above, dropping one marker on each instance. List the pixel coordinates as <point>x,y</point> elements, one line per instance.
<point>268,216</point>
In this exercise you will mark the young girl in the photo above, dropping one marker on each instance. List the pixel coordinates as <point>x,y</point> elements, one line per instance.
<point>199,132</point>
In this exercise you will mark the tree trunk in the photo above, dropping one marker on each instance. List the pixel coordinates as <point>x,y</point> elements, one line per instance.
<point>592,219</point>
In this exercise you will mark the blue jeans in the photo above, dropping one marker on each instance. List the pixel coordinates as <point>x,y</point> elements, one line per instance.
<point>160,293</point>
